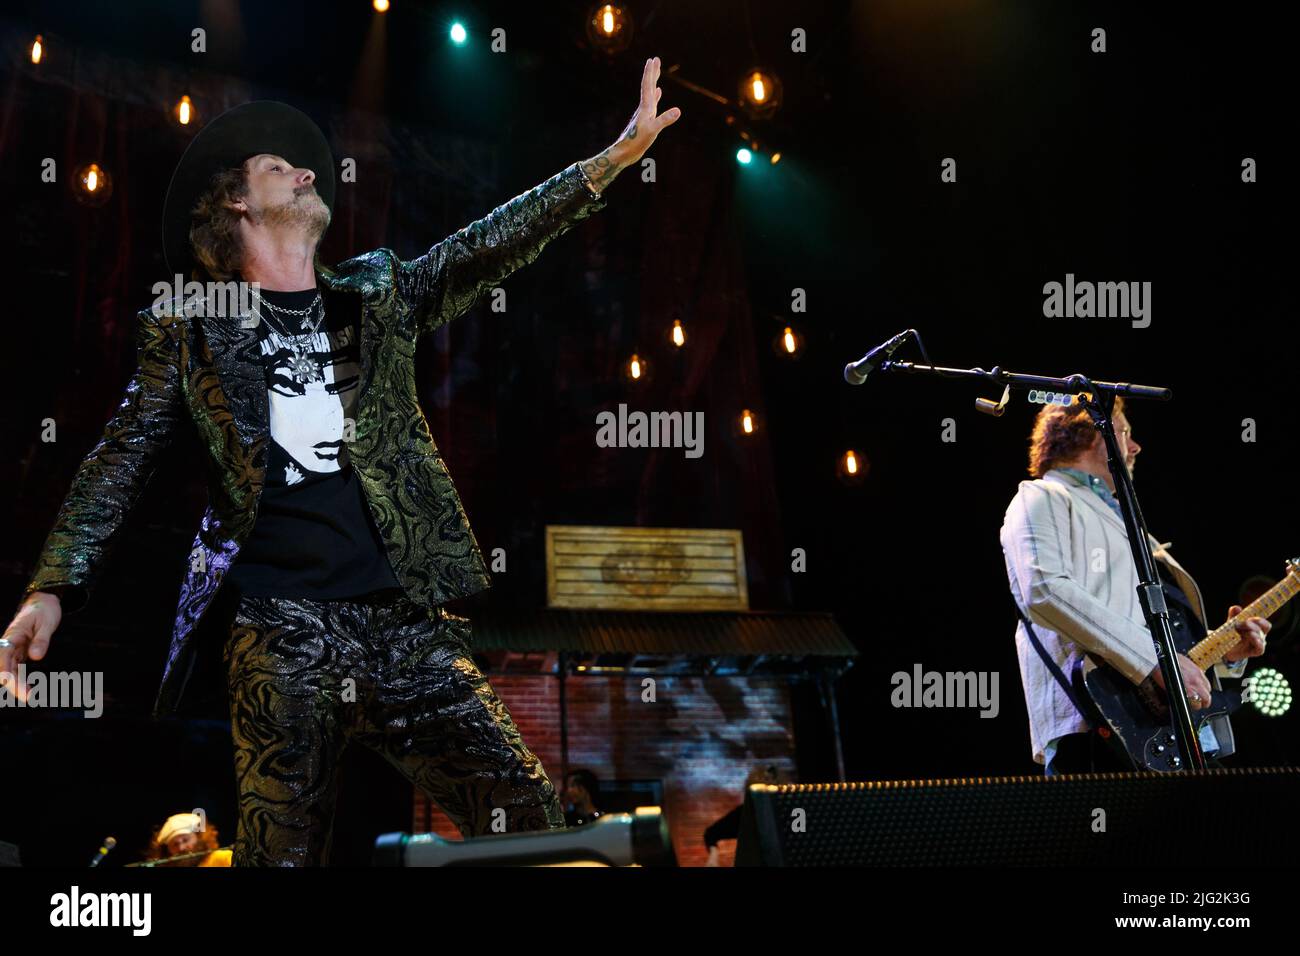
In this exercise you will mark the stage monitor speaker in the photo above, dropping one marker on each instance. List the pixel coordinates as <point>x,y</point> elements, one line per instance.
<point>1238,817</point>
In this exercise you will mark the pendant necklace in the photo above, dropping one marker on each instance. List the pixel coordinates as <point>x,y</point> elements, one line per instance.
<point>303,367</point>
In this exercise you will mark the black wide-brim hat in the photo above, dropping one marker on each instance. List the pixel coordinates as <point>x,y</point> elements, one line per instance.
<point>263,126</point>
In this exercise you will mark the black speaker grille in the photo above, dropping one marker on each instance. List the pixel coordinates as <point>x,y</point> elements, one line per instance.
<point>1032,821</point>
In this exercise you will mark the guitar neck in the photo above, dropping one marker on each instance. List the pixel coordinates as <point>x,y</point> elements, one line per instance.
<point>1218,642</point>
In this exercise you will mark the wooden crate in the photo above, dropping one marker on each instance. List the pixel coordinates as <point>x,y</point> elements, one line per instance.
<point>645,569</point>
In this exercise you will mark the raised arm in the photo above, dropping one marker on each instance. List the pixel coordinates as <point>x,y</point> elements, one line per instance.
<point>636,137</point>
<point>447,280</point>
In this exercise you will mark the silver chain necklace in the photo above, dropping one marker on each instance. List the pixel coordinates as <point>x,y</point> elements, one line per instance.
<point>302,366</point>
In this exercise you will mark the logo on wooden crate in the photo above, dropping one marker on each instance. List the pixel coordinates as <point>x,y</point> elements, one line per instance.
<point>645,569</point>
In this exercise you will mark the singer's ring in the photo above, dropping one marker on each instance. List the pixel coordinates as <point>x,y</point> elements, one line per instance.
<point>5,642</point>
<point>1196,697</point>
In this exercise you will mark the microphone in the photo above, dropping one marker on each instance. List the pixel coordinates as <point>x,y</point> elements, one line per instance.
<point>109,843</point>
<point>855,373</point>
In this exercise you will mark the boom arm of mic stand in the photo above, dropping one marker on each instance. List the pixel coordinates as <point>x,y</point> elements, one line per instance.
<point>1072,383</point>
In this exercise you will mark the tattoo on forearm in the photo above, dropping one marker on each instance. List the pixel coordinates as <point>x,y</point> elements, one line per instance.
<point>601,170</point>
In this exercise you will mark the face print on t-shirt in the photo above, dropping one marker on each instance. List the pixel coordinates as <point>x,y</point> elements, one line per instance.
<point>306,418</point>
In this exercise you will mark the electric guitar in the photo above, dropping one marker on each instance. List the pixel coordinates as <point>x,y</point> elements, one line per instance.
<point>1138,717</point>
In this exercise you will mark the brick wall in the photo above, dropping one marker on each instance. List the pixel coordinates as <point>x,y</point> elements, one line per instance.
<point>700,737</point>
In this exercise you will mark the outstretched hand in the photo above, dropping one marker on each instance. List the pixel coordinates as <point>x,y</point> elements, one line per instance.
<point>640,132</point>
<point>646,123</point>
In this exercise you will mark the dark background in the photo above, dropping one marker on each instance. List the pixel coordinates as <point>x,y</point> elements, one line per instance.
<point>1122,166</point>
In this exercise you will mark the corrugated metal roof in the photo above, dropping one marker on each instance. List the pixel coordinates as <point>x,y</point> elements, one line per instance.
<point>720,633</point>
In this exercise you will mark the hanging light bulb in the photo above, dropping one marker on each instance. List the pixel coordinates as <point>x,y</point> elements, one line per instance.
<point>37,49</point>
<point>760,93</point>
<point>788,344</point>
<point>93,185</point>
<point>852,467</point>
<point>679,335</point>
<point>609,28</point>
<point>636,368</point>
<point>381,6</point>
<point>185,113</point>
<point>747,421</point>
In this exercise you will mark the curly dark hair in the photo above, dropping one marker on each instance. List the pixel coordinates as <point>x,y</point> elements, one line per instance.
<point>214,227</point>
<point>1061,433</point>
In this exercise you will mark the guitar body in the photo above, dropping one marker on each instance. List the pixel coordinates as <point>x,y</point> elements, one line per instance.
<point>1139,719</point>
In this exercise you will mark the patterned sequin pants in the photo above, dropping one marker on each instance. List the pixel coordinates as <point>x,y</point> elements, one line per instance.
<point>309,677</point>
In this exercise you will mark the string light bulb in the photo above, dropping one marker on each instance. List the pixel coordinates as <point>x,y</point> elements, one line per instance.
<point>609,28</point>
<point>747,421</point>
<point>636,368</point>
<point>381,6</point>
<point>93,184</point>
<point>185,113</point>
<point>38,50</point>
<point>760,93</point>
<point>788,343</point>
<point>852,467</point>
<point>678,334</point>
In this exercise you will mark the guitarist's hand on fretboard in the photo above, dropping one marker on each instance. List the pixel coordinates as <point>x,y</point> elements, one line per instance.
<point>1195,682</point>
<point>1253,631</point>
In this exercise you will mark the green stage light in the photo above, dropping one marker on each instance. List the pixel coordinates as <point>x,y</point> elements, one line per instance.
<point>458,34</point>
<point>744,156</point>
<point>1269,691</point>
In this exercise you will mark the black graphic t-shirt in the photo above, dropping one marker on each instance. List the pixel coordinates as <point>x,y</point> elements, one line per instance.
<point>314,537</point>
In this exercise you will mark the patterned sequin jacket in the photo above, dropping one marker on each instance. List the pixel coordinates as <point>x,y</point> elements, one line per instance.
<point>209,372</point>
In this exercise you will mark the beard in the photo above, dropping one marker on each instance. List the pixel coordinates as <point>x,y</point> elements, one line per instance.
<point>305,211</point>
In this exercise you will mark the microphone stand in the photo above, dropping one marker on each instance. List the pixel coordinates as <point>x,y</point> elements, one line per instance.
<point>1098,399</point>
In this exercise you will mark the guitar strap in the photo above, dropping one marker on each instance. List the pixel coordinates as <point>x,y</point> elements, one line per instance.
<point>1052,665</point>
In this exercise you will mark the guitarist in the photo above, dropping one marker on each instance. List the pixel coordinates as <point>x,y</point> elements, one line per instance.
<point>1072,573</point>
